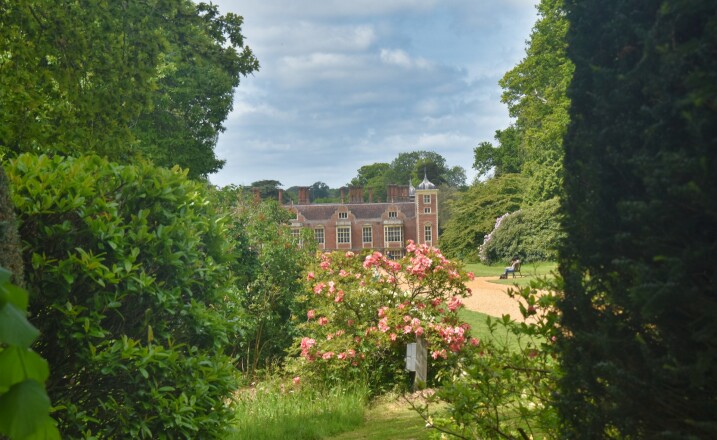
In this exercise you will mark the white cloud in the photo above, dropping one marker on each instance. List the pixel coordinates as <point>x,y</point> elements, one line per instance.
<point>344,84</point>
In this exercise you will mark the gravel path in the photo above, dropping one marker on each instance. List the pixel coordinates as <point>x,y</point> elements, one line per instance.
<point>491,299</point>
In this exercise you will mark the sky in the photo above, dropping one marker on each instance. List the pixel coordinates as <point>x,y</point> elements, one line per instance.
<point>347,83</point>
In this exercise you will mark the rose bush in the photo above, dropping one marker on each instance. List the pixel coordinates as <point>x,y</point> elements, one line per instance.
<point>362,310</point>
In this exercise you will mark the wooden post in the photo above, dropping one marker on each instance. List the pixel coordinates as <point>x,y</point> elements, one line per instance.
<point>421,363</point>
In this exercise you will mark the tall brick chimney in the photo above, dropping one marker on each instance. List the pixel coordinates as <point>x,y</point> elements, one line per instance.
<point>355,194</point>
<point>281,193</point>
<point>303,195</point>
<point>256,194</point>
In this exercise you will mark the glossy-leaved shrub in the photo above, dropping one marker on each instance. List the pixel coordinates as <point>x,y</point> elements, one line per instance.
<point>132,266</point>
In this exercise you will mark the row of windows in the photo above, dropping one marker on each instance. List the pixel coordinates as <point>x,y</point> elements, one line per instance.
<point>391,214</point>
<point>390,234</point>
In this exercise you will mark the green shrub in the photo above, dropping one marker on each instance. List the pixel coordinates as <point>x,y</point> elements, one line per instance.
<point>532,233</point>
<point>132,263</point>
<point>271,270</point>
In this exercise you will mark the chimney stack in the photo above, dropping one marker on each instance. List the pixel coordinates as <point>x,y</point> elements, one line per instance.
<point>303,195</point>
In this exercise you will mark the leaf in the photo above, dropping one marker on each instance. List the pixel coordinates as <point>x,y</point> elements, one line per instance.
<point>13,294</point>
<point>46,431</point>
<point>19,364</point>
<point>23,409</point>
<point>15,328</point>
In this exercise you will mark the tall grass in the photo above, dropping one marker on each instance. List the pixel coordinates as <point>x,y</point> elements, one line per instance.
<point>276,411</point>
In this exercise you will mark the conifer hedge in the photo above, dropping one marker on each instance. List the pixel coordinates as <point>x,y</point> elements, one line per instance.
<point>639,351</point>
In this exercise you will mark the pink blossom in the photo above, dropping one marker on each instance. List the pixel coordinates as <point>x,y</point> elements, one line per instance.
<point>325,264</point>
<point>350,322</point>
<point>401,306</point>
<point>419,331</point>
<point>475,342</point>
<point>310,276</point>
<point>343,273</point>
<point>311,314</point>
<point>454,304</point>
<point>393,336</point>
<point>383,324</point>
<point>436,354</point>
<point>307,343</point>
<point>319,287</point>
<point>341,355</point>
<point>407,329</point>
<point>332,287</point>
<point>351,352</point>
<point>323,320</point>
<point>328,355</point>
<point>382,311</point>
<point>406,318</point>
<point>350,254</point>
<point>297,380</point>
<point>339,296</point>
<point>358,276</point>
<point>329,336</point>
<point>410,246</point>
<point>471,276</point>
<point>436,302</point>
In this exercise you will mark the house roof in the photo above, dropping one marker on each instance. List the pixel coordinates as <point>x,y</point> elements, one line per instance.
<point>362,211</point>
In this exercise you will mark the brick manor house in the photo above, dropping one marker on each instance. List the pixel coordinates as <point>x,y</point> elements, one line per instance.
<point>408,214</point>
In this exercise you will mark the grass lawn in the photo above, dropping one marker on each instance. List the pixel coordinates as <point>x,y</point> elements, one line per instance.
<point>529,272</point>
<point>479,329</point>
<point>389,419</point>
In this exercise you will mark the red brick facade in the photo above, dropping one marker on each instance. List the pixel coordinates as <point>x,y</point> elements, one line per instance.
<point>410,214</point>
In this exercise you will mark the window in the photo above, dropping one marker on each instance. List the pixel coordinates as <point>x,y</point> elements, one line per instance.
<point>427,198</point>
<point>391,214</point>
<point>428,233</point>
<point>295,234</point>
<point>393,233</point>
<point>319,235</point>
<point>367,234</point>
<point>426,210</point>
<point>343,234</point>
<point>343,215</point>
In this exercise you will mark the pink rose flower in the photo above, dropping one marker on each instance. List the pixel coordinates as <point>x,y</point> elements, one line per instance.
<point>311,314</point>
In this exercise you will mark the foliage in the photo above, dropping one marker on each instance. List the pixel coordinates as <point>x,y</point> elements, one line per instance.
<point>133,265</point>
<point>24,404</point>
<point>535,92</point>
<point>641,198</point>
<point>533,233</point>
<point>277,410</point>
<point>119,79</point>
<point>473,215</point>
<point>10,247</point>
<point>505,391</point>
<point>270,271</point>
<point>363,311</point>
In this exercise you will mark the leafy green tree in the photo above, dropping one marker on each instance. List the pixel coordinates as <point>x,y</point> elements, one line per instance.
<point>535,92</point>
<point>319,190</point>
<point>373,177</point>
<point>473,214</point>
<point>640,201</point>
<point>268,189</point>
<point>119,79</point>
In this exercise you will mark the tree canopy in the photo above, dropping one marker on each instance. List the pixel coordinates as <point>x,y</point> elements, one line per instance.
<point>120,79</point>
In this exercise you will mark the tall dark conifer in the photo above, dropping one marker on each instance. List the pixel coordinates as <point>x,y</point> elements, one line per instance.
<point>640,347</point>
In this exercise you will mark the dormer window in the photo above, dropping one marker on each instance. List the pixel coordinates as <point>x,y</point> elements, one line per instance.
<point>391,214</point>
<point>343,215</point>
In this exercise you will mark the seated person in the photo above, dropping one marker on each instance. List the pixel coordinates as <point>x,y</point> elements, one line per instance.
<point>514,263</point>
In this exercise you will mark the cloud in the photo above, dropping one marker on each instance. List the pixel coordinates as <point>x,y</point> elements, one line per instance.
<point>344,84</point>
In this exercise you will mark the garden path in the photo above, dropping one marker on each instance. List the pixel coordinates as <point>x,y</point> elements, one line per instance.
<point>491,299</point>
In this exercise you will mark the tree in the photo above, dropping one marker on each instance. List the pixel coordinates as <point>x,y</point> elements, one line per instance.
<point>640,203</point>
<point>473,215</point>
<point>120,79</point>
<point>268,189</point>
<point>373,178</point>
<point>319,190</point>
<point>535,92</point>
